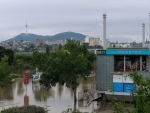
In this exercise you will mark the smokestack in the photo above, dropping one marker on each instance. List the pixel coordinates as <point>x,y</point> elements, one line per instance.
<point>104,31</point>
<point>149,30</point>
<point>143,45</point>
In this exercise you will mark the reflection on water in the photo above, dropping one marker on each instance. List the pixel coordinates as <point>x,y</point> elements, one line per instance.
<point>60,90</point>
<point>59,98</point>
<point>40,93</point>
<point>20,89</point>
<point>6,93</point>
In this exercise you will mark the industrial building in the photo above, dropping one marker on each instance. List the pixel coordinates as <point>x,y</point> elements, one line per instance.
<point>120,62</point>
<point>115,64</point>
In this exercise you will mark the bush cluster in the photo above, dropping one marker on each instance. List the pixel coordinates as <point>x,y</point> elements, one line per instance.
<point>25,109</point>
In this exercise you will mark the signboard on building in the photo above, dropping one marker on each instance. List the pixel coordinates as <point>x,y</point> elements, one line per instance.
<point>128,52</point>
<point>123,52</point>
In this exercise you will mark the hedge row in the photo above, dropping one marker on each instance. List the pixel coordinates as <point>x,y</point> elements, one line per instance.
<point>25,109</point>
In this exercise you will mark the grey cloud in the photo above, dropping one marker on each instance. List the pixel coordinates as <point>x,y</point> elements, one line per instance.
<point>48,17</point>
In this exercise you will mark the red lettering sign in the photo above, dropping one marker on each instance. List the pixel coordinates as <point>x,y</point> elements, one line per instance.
<point>26,78</point>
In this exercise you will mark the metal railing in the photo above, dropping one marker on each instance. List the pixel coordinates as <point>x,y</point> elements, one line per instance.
<point>83,94</point>
<point>89,92</point>
<point>80,95</point>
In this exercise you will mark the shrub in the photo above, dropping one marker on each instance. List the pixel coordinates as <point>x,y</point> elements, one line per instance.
<point>25,109</point>
<point>141,96</point>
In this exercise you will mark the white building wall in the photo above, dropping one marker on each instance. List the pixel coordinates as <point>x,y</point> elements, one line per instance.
<point>93,40</point>
<point>86,40</point>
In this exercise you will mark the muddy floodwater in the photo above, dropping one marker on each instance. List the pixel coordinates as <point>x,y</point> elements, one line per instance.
<point>57,99</point>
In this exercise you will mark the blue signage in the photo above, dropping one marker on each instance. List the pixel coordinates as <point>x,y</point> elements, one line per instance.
<point>127,52</point>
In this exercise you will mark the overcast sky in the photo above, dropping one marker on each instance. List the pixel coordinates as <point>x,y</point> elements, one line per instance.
<point>49,17</point>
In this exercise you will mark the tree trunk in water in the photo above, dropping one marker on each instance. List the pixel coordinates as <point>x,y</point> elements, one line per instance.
<point>75,100</point>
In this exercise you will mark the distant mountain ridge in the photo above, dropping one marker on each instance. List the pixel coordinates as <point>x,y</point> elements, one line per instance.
<point>60,36</point>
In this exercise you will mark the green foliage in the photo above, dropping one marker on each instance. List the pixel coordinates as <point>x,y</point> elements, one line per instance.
<point>5,70</point>
<point>8,52</point>
<point>27,59</point>
<point>141,96</point>
<point>65,65</point>
<point>69,110</point>
<point>47,50</point>
<point>25,109</point>
<point>22,62</point>
<point>39,59</point>
<point>119,107</point>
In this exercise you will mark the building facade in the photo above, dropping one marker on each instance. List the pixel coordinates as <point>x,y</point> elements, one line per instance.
<point>120,61</point>
<point>93,41</point>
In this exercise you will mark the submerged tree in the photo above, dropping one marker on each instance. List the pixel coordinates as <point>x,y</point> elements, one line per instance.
<point>47,50</point>
<point>67,66</point>
<point>39,59</point>
<point>5,70</point>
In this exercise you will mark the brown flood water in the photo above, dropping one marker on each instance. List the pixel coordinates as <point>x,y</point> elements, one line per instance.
<point>59,98</point>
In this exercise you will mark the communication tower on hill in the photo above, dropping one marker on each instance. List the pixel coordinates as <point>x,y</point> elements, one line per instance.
<point>26,26</point>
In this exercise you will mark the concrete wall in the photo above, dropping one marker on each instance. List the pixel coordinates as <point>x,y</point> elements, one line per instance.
<point>148,63</point>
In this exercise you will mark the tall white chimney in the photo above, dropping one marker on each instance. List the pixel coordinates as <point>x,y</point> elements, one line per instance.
<point>149,30</point>
<point>143,45</point>
<point>104,31</point>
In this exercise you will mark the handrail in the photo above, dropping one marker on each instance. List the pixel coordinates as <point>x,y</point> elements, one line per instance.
<point>95,86</point>
<point>89,92</point>
<point>82,94</point>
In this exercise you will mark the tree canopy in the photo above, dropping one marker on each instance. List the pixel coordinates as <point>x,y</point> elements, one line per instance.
<point>66,66</point>
<point>7,52</point>
<point>5,70</point>
<point>6,60</point>
<point>22,62</point>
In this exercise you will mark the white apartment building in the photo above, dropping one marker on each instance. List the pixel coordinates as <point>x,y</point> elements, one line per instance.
<point>92,40</point>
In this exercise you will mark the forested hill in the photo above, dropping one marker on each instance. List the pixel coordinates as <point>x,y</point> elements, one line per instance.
<point>60,36</point>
